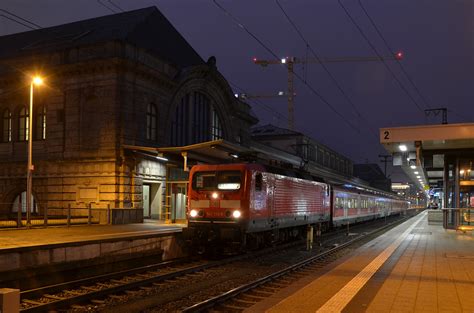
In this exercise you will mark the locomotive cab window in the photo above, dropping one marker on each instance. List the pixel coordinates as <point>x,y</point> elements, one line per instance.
<point>258,182</point>
<point>225,180</point>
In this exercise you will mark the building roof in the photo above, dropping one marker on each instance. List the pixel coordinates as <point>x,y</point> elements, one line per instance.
<point>146,28</point>
<point>272,130</point>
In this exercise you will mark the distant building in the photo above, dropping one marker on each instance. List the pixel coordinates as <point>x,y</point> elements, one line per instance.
<point>311,152</point>
<point>117,87</point>
<point>372,174</point>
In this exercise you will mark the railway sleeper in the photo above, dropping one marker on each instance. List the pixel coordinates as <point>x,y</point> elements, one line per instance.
<point>33,302</point>
<point>261,293</point>
<point>277,285</point>
<point>243,302</point>
<point>268,289</point>
<point>248,297</point>
<point>53,297</point>
<point>88,288</point>
<point>228,308</point>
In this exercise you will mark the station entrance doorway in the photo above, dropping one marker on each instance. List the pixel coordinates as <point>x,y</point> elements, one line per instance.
<point>176,194</point>
<point>152,200</point>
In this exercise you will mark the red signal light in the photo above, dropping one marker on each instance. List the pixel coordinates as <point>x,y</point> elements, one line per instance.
<point>254,60</point>
<point>399,55</point>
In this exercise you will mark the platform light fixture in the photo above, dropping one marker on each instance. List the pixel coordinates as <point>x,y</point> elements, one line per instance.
<point>35,81</point>
<point>416,173</point>
<point>283,61</point>
<point>161,158</point>
<point>403,148</point>
<point>413,166</point>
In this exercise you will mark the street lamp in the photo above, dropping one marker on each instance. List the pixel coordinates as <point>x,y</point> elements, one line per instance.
<point>37,80</point>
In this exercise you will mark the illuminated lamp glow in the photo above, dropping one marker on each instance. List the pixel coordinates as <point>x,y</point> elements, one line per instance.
<point>283,60</point>
<point>254,59</point>
<point>418,176</point>
<point>399,55</point>
<point>416,173</point>
<point>236,214</point>
<point>461,172</point>
<point>37,80</point>
<point>215,195</point>
<point>193,213</point>
<point>413,166</point>
<point>402,148</point>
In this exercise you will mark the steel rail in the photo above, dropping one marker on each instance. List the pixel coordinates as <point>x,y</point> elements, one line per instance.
<point>212,302</point>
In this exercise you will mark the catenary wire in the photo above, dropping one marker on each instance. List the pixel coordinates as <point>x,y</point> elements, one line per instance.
<point>18,22</point>
<point>326,69</point>
<point>22,19</point>
<point>107,7</point>
<point>371,45</point>
<point>377,29</point>
<point>115,5</point>
<point>301,79</point>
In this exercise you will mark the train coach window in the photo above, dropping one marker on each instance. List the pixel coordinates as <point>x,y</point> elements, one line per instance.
<point>258,182</point>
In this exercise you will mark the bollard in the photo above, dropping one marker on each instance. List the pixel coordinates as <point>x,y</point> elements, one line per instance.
<point>45,212</point>
<point>309,238</point>
<point>68,215</point>
<point>89,214</point>
<point>19,214</point>
<point>9,300</point>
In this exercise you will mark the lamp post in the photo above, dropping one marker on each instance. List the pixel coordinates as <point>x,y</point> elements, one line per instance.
<point>37,80</point>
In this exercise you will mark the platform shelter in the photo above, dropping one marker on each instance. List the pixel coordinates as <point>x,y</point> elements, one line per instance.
<point>438,159</point>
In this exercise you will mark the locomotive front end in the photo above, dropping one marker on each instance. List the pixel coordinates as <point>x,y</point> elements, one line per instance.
<point>216,206</point>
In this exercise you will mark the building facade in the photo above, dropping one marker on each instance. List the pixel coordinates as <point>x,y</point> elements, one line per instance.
<point>312,153</point>
<point>118,81</point>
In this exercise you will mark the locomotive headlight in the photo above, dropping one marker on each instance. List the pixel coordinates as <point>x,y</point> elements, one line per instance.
<point>193,213</point>
<point>215,195</point>
<point>236,214</point>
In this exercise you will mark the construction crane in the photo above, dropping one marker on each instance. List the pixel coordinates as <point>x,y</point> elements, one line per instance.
<point>291,61</point>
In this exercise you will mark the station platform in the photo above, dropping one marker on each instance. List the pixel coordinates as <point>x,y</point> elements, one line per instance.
<point>36,247</point>
<point>414,267</point>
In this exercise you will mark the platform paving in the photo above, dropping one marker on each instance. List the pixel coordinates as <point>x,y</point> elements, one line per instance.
<point>415,267</point>
<point>23,238</point>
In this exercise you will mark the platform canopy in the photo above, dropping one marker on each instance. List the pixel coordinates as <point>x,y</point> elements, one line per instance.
<point>208,152</point>
<point>421,151</point>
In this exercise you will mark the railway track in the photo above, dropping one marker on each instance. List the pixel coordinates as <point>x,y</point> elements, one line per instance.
<point>80,294</point>
<point>73,293</point>
<point>65,295</point>
<point>240,298</point>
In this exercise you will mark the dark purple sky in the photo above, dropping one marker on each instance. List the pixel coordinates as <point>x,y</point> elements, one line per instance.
<point>437,38</point>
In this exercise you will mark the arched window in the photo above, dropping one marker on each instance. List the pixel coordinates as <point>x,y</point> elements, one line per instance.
<point>151,121</point>
<point>20,202</point>
<point>7,126</point>
<point>195,120</point>
<point>23,124</point>
<point>40,131</point>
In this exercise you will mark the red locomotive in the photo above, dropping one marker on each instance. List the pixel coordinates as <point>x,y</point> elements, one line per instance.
<point>249,205</point>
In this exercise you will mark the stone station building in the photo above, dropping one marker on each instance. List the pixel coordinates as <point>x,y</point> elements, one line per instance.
<point>116,87</point>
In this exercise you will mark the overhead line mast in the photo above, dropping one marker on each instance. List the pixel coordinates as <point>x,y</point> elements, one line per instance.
<point>291,61</point>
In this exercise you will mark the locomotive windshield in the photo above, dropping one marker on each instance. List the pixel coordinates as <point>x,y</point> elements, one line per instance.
<point>222,180</point>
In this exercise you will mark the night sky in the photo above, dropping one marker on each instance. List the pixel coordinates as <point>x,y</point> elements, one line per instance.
<point>436,37</point>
